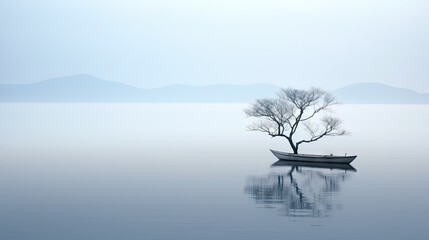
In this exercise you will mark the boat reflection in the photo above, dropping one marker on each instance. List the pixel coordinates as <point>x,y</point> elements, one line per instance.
<point>299,189</point>
<point>331,166</point>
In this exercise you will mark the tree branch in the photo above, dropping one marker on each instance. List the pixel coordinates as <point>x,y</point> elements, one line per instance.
<point>331,128</point>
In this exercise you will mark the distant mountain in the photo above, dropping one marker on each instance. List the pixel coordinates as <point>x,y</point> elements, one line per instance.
<point>376,93</point>
<point>79,88</point>
<point>86,88</point>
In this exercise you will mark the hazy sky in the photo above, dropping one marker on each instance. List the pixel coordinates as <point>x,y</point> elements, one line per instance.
<point>327,43</point>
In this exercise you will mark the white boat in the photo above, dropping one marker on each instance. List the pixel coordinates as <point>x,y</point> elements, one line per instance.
<point>312,158</point>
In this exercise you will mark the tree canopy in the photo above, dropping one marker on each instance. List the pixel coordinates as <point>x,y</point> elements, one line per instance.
<point>293,109</point>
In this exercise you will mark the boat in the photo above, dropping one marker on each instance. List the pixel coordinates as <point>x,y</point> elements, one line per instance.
<point>285,156</point>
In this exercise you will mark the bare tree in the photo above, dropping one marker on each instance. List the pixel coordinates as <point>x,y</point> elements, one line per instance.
<point>293,108</point>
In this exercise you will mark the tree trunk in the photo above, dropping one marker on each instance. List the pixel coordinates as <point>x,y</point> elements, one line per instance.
<point>293,146</point>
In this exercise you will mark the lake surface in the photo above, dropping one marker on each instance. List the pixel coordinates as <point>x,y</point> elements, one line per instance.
<point>191,171</point>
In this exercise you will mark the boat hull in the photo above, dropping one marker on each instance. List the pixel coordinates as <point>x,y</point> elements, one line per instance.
<point>284,156</point>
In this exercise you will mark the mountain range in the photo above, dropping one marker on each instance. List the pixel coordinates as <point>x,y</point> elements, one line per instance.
<point>86,88</point>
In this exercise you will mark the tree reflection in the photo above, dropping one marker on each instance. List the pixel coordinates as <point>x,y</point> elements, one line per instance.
<point>300,190</point>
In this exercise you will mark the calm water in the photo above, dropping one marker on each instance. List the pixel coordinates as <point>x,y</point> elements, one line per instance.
<point>159,171</point>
